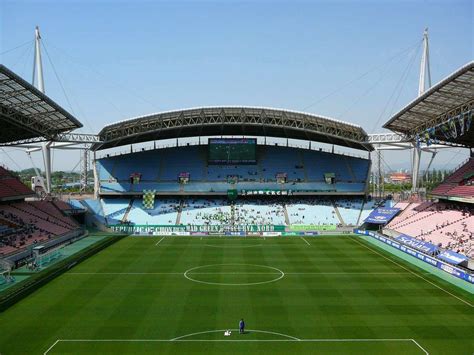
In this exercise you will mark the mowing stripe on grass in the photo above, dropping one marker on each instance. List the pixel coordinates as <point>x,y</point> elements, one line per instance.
<point>233,246</point>
<point>412,272</point>
<point>237,273</point>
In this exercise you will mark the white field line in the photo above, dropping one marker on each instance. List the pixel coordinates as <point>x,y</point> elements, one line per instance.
<point>305,241</point>
<point>412,272</point>
<point>288,339</point>
<point>52,346</point>
<point>423,349</point>
<point>158,242</point>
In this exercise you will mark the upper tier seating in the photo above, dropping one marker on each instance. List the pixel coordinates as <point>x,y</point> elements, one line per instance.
<point>160,168</point>
<point>273,160</point>
<point>462,191</point>
<point>221,172</point>
<point>11,187</point>
<point>459,184</point>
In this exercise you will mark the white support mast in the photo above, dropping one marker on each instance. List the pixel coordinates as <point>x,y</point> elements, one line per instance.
<point>424,72</point>
<point>38,69</point>
<point>424,65</point>
<point>38,64</point>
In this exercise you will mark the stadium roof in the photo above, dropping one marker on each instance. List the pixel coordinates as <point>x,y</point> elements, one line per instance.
<point>26,114</point>
<point>451,97</point>
<point>233,120</point>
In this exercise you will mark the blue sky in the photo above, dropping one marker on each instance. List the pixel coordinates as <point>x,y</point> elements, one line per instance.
<point>120,59</point>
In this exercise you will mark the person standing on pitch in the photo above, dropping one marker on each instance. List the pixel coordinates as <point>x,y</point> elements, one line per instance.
<point>242,326</point>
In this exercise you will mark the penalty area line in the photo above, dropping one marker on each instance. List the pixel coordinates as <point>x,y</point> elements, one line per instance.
<point>180,339</point>
<point>52,346</point>
<point>422,348</point>
<point>305,241</point>
<point>158,242</point>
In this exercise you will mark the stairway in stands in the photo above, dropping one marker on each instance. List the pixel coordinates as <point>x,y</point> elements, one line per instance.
<point>180,210</point>
<point>129,208</point>
<point>360,212</point>
<point>287,217</point>
<point>338,214</point>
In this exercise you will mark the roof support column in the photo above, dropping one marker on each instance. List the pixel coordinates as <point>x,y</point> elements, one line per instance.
<point>46,148</point>
<point>96,176</point>
<point>380,175</point>
<point>84,171</point>
<point>415,168</point>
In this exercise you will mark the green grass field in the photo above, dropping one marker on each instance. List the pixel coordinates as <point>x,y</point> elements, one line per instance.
<point>328,295</point>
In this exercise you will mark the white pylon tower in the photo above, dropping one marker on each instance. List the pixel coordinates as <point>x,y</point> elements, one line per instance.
<point>38,73</point>
<point>424,72</point>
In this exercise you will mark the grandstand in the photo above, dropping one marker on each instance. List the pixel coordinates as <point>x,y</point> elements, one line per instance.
<point>230,183</point>
<point>459,185</point>
<point>11,188</point>
<point>313,212</point>
<point>28,115</point>
<point>442,115</point>
<point>304,169</point>
<point>446,225</point>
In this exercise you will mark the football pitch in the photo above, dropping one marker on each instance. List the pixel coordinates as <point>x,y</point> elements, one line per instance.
<point>319,295</point>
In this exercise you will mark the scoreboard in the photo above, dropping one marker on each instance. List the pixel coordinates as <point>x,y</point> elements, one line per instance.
<point>232,151</point>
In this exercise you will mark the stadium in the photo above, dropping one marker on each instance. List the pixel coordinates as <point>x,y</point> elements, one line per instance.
<point>203,216</point>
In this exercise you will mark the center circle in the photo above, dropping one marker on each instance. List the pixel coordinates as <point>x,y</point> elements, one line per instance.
<point>204,274</point>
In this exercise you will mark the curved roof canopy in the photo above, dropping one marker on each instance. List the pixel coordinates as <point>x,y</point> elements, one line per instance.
<point>451,97</point>
<point>26,114</point>
<point>249,121</point>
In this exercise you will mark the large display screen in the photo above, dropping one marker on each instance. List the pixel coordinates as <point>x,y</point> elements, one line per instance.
<point>232,151</point>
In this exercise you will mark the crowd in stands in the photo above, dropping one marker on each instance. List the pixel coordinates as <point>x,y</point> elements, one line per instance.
<point>30,223</point>
<point>206,212</point>
<point>20,232</point>
<point>445,224</point>
<point>221,211</point>
<point>259,212</point>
